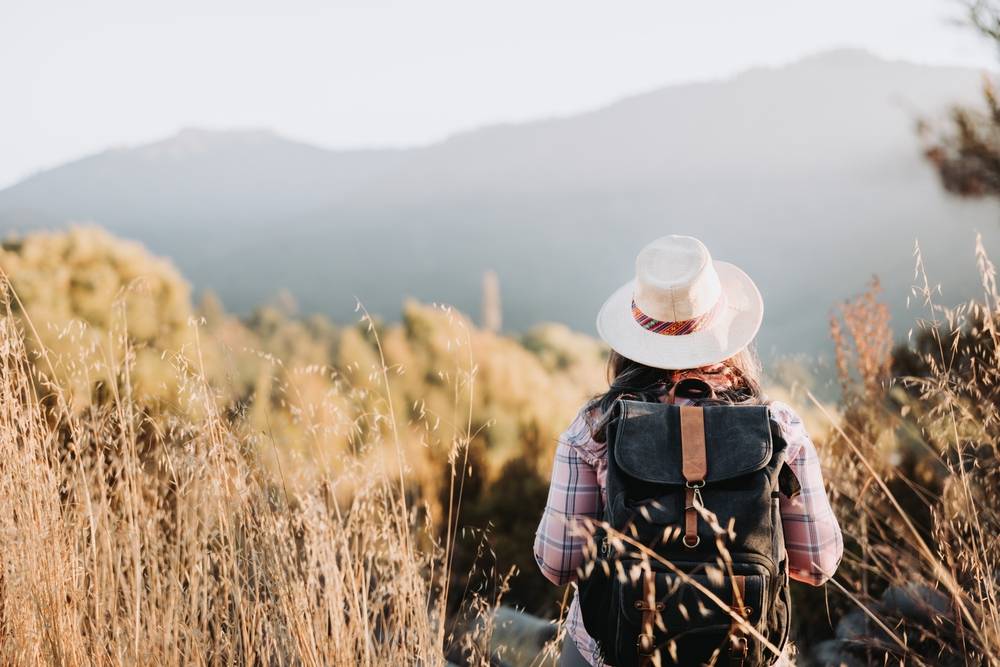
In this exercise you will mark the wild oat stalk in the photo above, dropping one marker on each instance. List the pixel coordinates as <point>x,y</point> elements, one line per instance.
<point>133,540</point>
<point>914,464</point>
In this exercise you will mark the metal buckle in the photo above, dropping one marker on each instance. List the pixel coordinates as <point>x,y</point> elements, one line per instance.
<point>642,606</point>
<point>740,648</point>
<point>691,545</point>
<point>695,485</point>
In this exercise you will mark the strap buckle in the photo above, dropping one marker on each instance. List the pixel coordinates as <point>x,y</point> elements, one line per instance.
<point>642,605</point>
<point>692,544</point>
<point>738,651</point>
<point>696,501</point>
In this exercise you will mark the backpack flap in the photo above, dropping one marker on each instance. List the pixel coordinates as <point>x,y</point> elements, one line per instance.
<point>737,441</point>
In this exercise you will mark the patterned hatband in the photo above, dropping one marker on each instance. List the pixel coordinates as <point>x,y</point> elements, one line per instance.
<point>680,327</point>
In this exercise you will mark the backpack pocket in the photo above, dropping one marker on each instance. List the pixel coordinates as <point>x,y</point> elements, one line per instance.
<point>684,624</point>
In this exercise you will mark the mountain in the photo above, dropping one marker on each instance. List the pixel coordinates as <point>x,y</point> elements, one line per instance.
<point>808,175</point>
<point>195,180</point>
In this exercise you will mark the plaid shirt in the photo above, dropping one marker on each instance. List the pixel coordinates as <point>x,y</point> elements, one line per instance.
<point>812,535</point>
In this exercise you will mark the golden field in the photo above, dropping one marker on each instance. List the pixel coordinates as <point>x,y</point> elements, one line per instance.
<point>184,486</point>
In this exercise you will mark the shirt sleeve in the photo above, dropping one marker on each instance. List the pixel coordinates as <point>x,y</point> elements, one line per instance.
<point>813,538</point>
<point>574,494</point>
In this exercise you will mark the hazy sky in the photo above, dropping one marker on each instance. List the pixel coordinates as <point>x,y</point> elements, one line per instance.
<point>80,76</point>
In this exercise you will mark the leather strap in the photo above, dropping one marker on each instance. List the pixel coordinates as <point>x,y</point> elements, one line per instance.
<point>690,385</point>
<point>691,538</point>
<point>739,646</point>
<point>695,465</point>
<point>645,646</point>
<point>741,595</point>
<point>694,468</point>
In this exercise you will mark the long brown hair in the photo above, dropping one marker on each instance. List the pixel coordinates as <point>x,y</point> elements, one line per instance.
<point>735,380</point>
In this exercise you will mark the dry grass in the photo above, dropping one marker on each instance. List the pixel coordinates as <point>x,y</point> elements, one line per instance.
<point>913,462</point>
<point>137,539</point>
<point>119,549</point>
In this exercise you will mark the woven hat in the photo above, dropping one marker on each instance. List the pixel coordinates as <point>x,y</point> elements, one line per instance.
<point>683,309</point>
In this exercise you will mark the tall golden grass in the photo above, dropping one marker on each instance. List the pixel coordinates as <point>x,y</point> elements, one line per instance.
<point>913,463</point>
<point>116,551</point>
<point>134,537</point>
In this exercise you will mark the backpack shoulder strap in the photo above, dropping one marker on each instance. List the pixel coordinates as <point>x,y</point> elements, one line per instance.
<point>788,482</point>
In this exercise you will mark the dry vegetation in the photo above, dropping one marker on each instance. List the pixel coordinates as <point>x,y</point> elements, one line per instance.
<point>187,488</point>
<point>118,552</point>
<point>913,464</point>
<point>272,491</point>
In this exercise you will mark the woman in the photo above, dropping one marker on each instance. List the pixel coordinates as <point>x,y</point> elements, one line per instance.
<point>684,316</point>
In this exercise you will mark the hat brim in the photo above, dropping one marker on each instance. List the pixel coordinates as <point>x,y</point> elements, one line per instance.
<point>729,333</point>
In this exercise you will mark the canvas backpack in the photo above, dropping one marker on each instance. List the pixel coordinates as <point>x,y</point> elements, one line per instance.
<point>663,461</point>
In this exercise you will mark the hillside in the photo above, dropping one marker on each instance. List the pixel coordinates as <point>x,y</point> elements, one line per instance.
<point>194,181</point>
<point>807,175</point>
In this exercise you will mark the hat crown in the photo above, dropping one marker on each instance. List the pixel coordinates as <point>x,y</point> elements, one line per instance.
<point>676,279</point>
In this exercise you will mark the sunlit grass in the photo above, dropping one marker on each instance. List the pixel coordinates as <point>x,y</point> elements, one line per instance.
<point>261,496</point>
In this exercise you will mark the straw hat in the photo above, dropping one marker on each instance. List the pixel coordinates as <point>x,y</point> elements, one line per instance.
<point>682,310</point>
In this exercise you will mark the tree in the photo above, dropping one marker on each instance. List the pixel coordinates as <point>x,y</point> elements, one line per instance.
<point>967,151</point>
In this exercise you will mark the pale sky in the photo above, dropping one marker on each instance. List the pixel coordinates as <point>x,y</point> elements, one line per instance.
<point>80,76</point>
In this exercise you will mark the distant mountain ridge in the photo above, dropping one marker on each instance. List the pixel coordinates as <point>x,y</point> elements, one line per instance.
<point>809,176</point>
<point>197,177</point>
